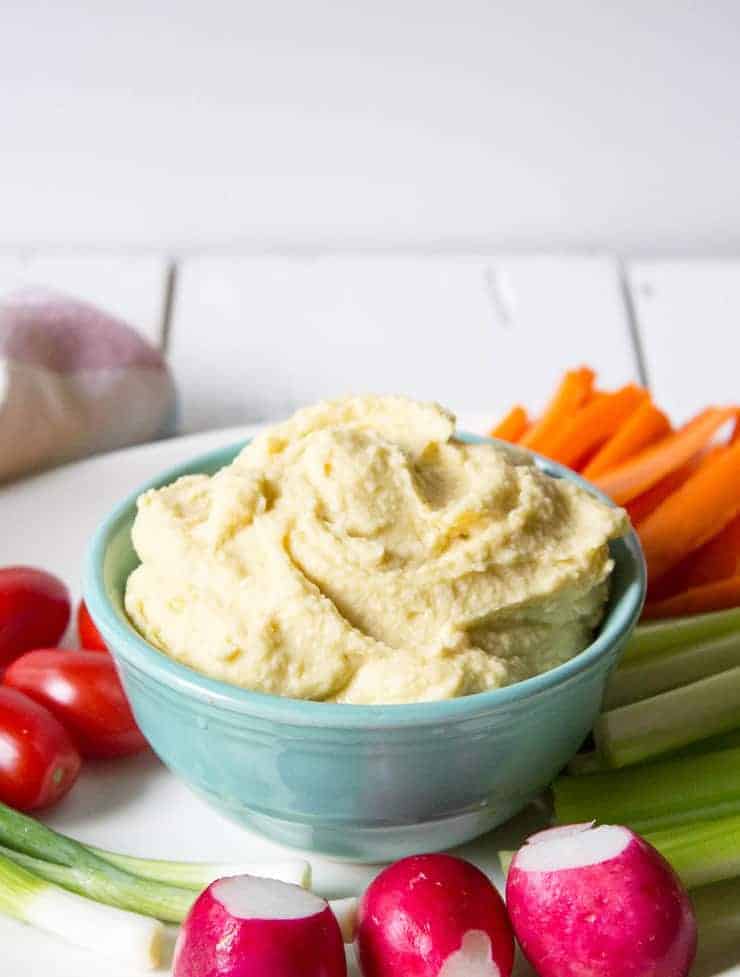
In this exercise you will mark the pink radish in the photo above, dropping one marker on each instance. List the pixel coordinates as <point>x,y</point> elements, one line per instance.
<point>599,902</point>
<point>433,916</point>
<point>250,927</point>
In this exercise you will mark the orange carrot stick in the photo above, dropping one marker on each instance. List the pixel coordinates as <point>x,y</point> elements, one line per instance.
<point>574,389</point>
<point>593,424</point>
<point>638,474</point>
<point>643,427</point>
<point>716,560</point>
<point>640,507</point>
<point>513,426</point>
<point>695,512</point>
<point>698,600</point>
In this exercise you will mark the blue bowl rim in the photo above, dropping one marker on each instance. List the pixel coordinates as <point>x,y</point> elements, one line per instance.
<point>127,644</point>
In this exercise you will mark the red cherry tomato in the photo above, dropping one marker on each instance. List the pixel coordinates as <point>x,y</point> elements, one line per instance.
<point>34,611</point>
<point>90,637</point>
<point>38,760</point>
<point>82,689</point>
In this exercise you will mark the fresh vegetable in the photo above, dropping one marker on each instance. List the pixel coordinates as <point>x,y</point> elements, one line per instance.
<point>580,435</point>
<point>702,507</point>
<point>39,762</point>
<point>433,916</point>
<point>119,880</point>
<point>701,852</point>
<point>716,560</point>
<point>198,875</point>
<point>345,913</point>
<point>652,796</point>
<point>642,428</point>
<point>135,940</point>
<point>634,681</point>
<point>640,507</point>
<point>104,884</point>
<point>513,426</point>
<point>670,720</point>
<point>640,473</point>
<point>591,762</point>
<point>574,390</point>
<point>709,597</point>
<point>34,610</point>
<point>248,927</point>
<point>599,902</point>
<point>82,689</point>
<point>658,637</point>
<point>87,632</point>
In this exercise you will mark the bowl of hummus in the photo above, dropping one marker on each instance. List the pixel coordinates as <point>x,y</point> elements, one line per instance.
<point>363,633</point>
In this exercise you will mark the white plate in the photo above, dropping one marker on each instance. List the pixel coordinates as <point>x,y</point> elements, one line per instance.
<point>136,805</point>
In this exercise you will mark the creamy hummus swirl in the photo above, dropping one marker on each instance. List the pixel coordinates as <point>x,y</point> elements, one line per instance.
<point>359,553</point>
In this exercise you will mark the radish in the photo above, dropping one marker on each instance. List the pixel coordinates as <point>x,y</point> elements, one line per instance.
<point>591,901</point>
<point>246,926</point>
<point>433,916</point>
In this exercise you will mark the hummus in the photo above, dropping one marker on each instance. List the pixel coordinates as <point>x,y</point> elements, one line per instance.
<point>359,553</point>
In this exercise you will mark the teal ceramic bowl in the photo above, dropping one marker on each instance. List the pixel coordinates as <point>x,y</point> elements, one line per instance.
<point>370,783</point>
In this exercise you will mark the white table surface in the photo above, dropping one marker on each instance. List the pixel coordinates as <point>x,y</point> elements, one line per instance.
<point>135,805</point>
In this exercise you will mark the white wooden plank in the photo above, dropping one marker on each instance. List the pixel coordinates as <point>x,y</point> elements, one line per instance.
<point>253,337</point>
<point>688,317</point>
<point>133,288</point>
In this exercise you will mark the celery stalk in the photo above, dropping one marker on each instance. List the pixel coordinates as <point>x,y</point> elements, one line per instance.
<point>652,796</point>
<point>115,888</point>
<point>134,939</point>
<point>701,852</point>
<point>642,678</point>
<point>659,636</point>
<point>198,875</point>
<point>592,762</point>
<point>717,908</point>
<point>670,720</point>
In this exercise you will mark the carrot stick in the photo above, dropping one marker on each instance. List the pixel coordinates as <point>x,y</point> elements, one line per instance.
<point>640,507</point>
<point>513,426</point>
<point>638,474</point>
<point>643,427</point>
<point>593,424</point>
<point>695,512</point>
<point>735,436</point>
<point>716,560</point>
<point>574,389</point>
<point>697,600</point>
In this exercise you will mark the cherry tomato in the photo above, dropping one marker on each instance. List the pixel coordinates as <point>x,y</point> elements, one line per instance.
<point>82,689</point>
<point>90,637</point>
<point>34,611</point>
<point>38,760</point>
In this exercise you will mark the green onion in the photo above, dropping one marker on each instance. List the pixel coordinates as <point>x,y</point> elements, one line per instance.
<point>642,678</point>
<point>652,796</point>
<point>660,636</point>
<point>114,888</point>
<point>69,863</point>
<point>133,938</point>
<point>670,720</point>
<point>199,875</point>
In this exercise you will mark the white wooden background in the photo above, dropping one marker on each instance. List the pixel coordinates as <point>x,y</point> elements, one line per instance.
<point>251,337</point>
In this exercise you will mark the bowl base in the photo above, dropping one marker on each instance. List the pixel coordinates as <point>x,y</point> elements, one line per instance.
<point>374,843</point>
